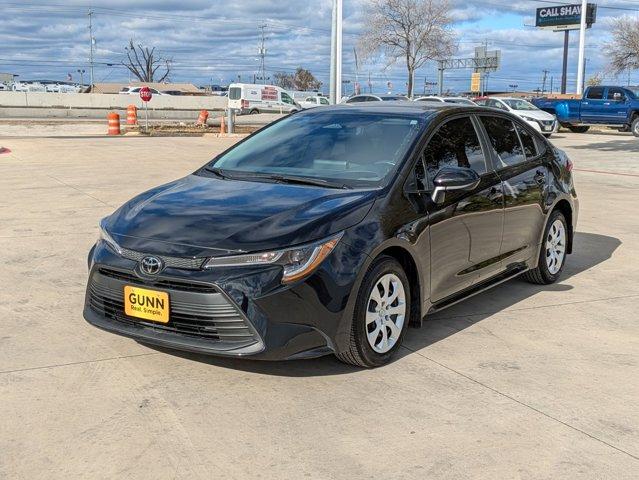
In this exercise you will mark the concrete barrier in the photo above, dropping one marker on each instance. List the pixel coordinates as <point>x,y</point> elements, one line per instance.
<point>93,105</point>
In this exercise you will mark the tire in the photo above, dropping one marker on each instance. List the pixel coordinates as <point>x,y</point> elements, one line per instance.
<point>254,111</point>
<point>366,353</point>
<point>547,271</point>
<point>634,128</point>
<point>578,128</point>
<point>547,135</point>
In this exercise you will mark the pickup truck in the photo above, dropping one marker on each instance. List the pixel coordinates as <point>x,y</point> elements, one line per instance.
<point>616,107</point>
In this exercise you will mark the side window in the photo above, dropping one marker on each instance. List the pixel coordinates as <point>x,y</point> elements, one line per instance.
<point>455,144</point>
<point>504,139</point>
<point>612,91</point>
<point>324,101</point>
<point>354,100</point>
<point>528,142</point>
<point>595,93</point>
<point>286,98</point>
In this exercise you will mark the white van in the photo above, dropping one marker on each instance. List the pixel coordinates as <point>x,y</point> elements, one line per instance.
<point>252,98</point>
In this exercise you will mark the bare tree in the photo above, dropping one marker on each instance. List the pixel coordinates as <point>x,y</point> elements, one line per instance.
<point>414,31</point>
<point>144,64</point>
<point>595,80</point>
<point>302,80</point>
<point>284,80</point>
<point>623,51</point>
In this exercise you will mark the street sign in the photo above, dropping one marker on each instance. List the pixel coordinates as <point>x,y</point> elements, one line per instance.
<point>145,94</point>
<point>564,17</point>
<point>475,82</point>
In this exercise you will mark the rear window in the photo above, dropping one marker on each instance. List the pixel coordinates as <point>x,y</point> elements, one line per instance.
<point>504,139</point>
<point>528,142</point>
<point>235,93</point>
<point>595,93</point>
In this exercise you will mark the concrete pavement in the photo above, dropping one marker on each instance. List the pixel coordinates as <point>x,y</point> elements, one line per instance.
<point>523,381</point>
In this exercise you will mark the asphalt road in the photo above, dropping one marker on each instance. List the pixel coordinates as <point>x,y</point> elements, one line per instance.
<point>523,381</point>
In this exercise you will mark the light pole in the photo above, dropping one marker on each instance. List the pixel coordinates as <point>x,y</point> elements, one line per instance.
<point>81,72</point>
<point>514,87</point>
<point>582,48</point>
<point>336,54</point>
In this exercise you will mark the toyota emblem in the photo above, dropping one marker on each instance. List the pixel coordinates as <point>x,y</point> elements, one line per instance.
<point>151,265</point>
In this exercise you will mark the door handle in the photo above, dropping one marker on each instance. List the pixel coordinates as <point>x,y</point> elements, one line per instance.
<point>584,103</point>
<point>606,103</point>
<point>540,177</point>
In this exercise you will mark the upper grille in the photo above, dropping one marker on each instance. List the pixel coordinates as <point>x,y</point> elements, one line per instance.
<point>547,122</point>
<point>160,283</point>
<point>213,317</point>
<point>173,262</point>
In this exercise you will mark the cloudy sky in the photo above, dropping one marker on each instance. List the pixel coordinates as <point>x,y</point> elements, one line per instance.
<point>214,41</point>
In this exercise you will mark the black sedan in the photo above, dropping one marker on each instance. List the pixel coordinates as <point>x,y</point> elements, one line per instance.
<point>332,230</point>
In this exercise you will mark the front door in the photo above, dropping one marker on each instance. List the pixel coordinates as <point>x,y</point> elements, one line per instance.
<point>466,229</point>
<point>519,161</point>
<point>615,108</point>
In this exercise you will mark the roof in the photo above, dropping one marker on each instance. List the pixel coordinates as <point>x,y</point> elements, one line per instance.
<point>411,108</point>
<point>116,87</point>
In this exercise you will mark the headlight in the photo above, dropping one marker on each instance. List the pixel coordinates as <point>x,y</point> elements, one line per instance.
<point>107,238</point>
<point>297,262</point>
<point>528,119</point>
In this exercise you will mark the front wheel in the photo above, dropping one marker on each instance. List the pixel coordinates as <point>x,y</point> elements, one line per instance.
<point>547,135</point>
<point>382,312</point>
<point>552,255</point>
<point>635,127</point>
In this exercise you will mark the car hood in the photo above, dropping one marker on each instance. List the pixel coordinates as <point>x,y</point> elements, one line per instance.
<point>536,114</point>
<point>202,216</point>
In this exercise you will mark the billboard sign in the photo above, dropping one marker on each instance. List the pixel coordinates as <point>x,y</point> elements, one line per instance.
<point>564,17</point>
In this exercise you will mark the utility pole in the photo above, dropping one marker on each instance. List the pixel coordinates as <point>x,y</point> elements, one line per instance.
<point>92,42</point>
<point>582,48</point>
<point>370,85</point>
<point>543,83</point>
<point>262,53</point>
<point>336,54</point>
<point>551,83</point>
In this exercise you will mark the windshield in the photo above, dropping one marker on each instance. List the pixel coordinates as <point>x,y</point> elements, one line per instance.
<point>635,91</point>
<point>394,99</point>
<point>352,148</point>
<point>462,101</point>
<point>519,104</point>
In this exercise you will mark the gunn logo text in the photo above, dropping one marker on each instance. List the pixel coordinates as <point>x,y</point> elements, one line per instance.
<point>146,304</point>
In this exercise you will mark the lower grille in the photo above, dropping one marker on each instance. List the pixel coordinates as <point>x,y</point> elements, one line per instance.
<point>209,316</point>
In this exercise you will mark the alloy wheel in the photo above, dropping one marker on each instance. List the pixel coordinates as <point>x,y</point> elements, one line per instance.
<point>385,313</point>
<point>555,246</point>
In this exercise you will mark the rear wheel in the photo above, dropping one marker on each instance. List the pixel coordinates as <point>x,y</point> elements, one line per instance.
<point>381,316</point>
<point>578,128</point>
<point>552,255</point>
<point>254,111</point>
<point>634,128</point>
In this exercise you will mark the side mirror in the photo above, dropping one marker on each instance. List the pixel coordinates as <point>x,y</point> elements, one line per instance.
<point>450,178</point>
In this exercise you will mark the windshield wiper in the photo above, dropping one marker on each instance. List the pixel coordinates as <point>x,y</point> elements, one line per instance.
<point>218,172</point>
<point>304,181</point>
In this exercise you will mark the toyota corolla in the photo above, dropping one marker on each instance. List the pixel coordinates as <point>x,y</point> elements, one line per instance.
<point>333,230</point>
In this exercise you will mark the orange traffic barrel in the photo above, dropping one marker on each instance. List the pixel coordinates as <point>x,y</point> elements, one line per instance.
<point>222,125</point>
<point>204,115</point>
<point>114,123</point>
<point>131,115</point>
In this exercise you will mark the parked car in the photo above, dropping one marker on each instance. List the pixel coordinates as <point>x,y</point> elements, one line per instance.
<point>4,88</point>
<point>251,98</point>
<point>616,107</point>
<point>459,100</point>
<point>136,91</point>
<point>316,101</point>
<point>332,230</point>
<point>369,97</point>
<point>541,121</point>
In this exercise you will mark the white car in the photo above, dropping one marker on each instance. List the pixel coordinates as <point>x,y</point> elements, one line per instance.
<point>316,101</point>
<point>457,100</point>
<point>544,122</point>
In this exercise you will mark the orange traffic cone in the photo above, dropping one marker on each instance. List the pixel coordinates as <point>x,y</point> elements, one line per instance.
<point>114,123</point>
<point>222,125</point>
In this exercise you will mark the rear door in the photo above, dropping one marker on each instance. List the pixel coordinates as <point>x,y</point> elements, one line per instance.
<point>592,106</point>
<point>517,156</point>
<point>466,229</point>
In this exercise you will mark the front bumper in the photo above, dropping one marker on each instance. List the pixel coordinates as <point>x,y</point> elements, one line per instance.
<point>240,312</point>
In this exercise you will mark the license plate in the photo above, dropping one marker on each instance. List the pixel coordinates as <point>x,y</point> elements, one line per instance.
<point>547,128</point>
<point>147,304</point>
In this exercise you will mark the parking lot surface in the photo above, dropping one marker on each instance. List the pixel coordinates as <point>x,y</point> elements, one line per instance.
<point>523,381</point>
